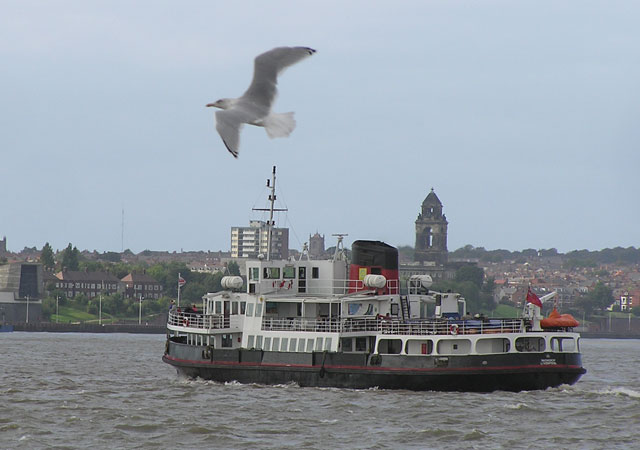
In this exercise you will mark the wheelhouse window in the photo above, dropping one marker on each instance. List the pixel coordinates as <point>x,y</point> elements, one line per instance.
<point>315,272</point>
<point>254,273</point>
<point>249,311</point>
<point>243,307</point>
<point>271,272</point>
<point>289,272</point>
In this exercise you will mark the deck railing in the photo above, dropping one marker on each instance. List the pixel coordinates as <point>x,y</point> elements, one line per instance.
<point>394,326</point>
<point>432,326</point>
<point>195,320</point>
<point>357,325</point>
<point>301,324</point>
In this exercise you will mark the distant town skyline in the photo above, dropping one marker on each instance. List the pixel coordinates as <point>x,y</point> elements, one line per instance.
<point>521,115</point>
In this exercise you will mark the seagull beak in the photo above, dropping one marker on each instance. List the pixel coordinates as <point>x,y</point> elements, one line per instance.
<point>210,104</point>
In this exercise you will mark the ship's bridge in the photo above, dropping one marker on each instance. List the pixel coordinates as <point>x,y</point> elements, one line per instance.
<point>310,277</point>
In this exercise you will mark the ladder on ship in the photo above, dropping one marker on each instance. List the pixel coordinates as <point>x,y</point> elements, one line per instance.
<point>404,304</point>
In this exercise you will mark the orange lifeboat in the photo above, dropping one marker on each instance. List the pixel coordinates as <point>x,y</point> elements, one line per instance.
<point>557,320</point>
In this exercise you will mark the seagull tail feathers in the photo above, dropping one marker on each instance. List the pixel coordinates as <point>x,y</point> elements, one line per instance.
<point>279,124</point>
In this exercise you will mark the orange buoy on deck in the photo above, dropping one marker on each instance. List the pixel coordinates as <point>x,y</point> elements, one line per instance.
<point>557,320</point>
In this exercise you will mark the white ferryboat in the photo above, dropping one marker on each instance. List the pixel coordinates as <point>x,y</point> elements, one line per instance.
<point>335,323</point>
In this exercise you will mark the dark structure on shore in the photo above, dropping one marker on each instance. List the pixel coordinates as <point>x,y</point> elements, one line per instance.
<point>21,290</point>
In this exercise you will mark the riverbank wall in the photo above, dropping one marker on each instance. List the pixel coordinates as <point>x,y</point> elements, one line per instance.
<point>89,328</point>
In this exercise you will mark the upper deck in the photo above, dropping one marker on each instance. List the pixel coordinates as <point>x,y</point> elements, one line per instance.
<point>208,323</point>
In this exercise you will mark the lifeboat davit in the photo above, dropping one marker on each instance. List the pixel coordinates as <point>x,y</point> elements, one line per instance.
<point>557,320</point>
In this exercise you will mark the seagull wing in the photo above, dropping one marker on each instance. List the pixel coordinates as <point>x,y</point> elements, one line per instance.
<point>267,67</point>
<point>229,122</point>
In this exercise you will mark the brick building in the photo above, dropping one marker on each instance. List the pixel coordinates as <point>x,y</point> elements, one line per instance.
<point>91,284</point>
<point>141,284</point>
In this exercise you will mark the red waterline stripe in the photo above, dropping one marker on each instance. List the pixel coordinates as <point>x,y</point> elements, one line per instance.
<point>370,368</point>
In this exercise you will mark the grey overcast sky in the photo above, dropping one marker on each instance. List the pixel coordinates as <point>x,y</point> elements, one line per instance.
<point>522,115</point>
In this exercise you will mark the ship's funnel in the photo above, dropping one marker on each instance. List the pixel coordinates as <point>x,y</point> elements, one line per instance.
<point>373,258</point>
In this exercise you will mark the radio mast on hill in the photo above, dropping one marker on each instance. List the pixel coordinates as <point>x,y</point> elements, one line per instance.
<point>122,234</point>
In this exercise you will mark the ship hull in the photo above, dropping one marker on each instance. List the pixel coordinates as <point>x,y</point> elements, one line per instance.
<point>468,373</point>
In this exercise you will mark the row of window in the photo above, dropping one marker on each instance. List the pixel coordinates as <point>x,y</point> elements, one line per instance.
<point>288,272</point>
<point>79,285</point>
<point>147,287</point>
<point>235,307</point>
<point>284,344</point>
<point>448,346</point>
<point>70,294</point>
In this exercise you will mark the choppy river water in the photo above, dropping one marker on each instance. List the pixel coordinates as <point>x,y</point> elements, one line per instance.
<point>113,391</point>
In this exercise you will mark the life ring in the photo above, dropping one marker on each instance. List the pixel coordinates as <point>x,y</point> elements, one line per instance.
<point>453,329</point>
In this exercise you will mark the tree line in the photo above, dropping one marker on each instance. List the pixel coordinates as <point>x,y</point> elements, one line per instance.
<point>577,258</point>
<point>117,305</point>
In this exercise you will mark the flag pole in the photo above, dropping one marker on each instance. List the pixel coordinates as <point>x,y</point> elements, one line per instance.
<point>179,289</point>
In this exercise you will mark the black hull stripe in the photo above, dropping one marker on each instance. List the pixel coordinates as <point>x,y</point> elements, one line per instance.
<point>546,367</point>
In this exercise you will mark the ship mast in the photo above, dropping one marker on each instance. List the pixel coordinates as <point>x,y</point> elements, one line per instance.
<point>339,254</point>
<point>272,199</point>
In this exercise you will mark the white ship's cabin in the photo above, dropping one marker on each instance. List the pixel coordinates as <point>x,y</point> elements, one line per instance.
<point>310,277</point>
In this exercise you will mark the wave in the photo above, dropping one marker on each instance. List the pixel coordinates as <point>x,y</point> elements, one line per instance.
<point>620,391</point>
<point>144,428</point>
<point>517,406</point>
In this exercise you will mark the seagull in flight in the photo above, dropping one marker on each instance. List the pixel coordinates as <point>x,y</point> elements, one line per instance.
<point>254,107</point>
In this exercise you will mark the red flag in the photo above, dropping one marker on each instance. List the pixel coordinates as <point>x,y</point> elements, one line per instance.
<point>533,298</point>
<point>181,281</point>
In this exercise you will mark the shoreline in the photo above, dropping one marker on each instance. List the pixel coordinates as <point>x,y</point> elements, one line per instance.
<point>89,328</point>
<point>608,335</point>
